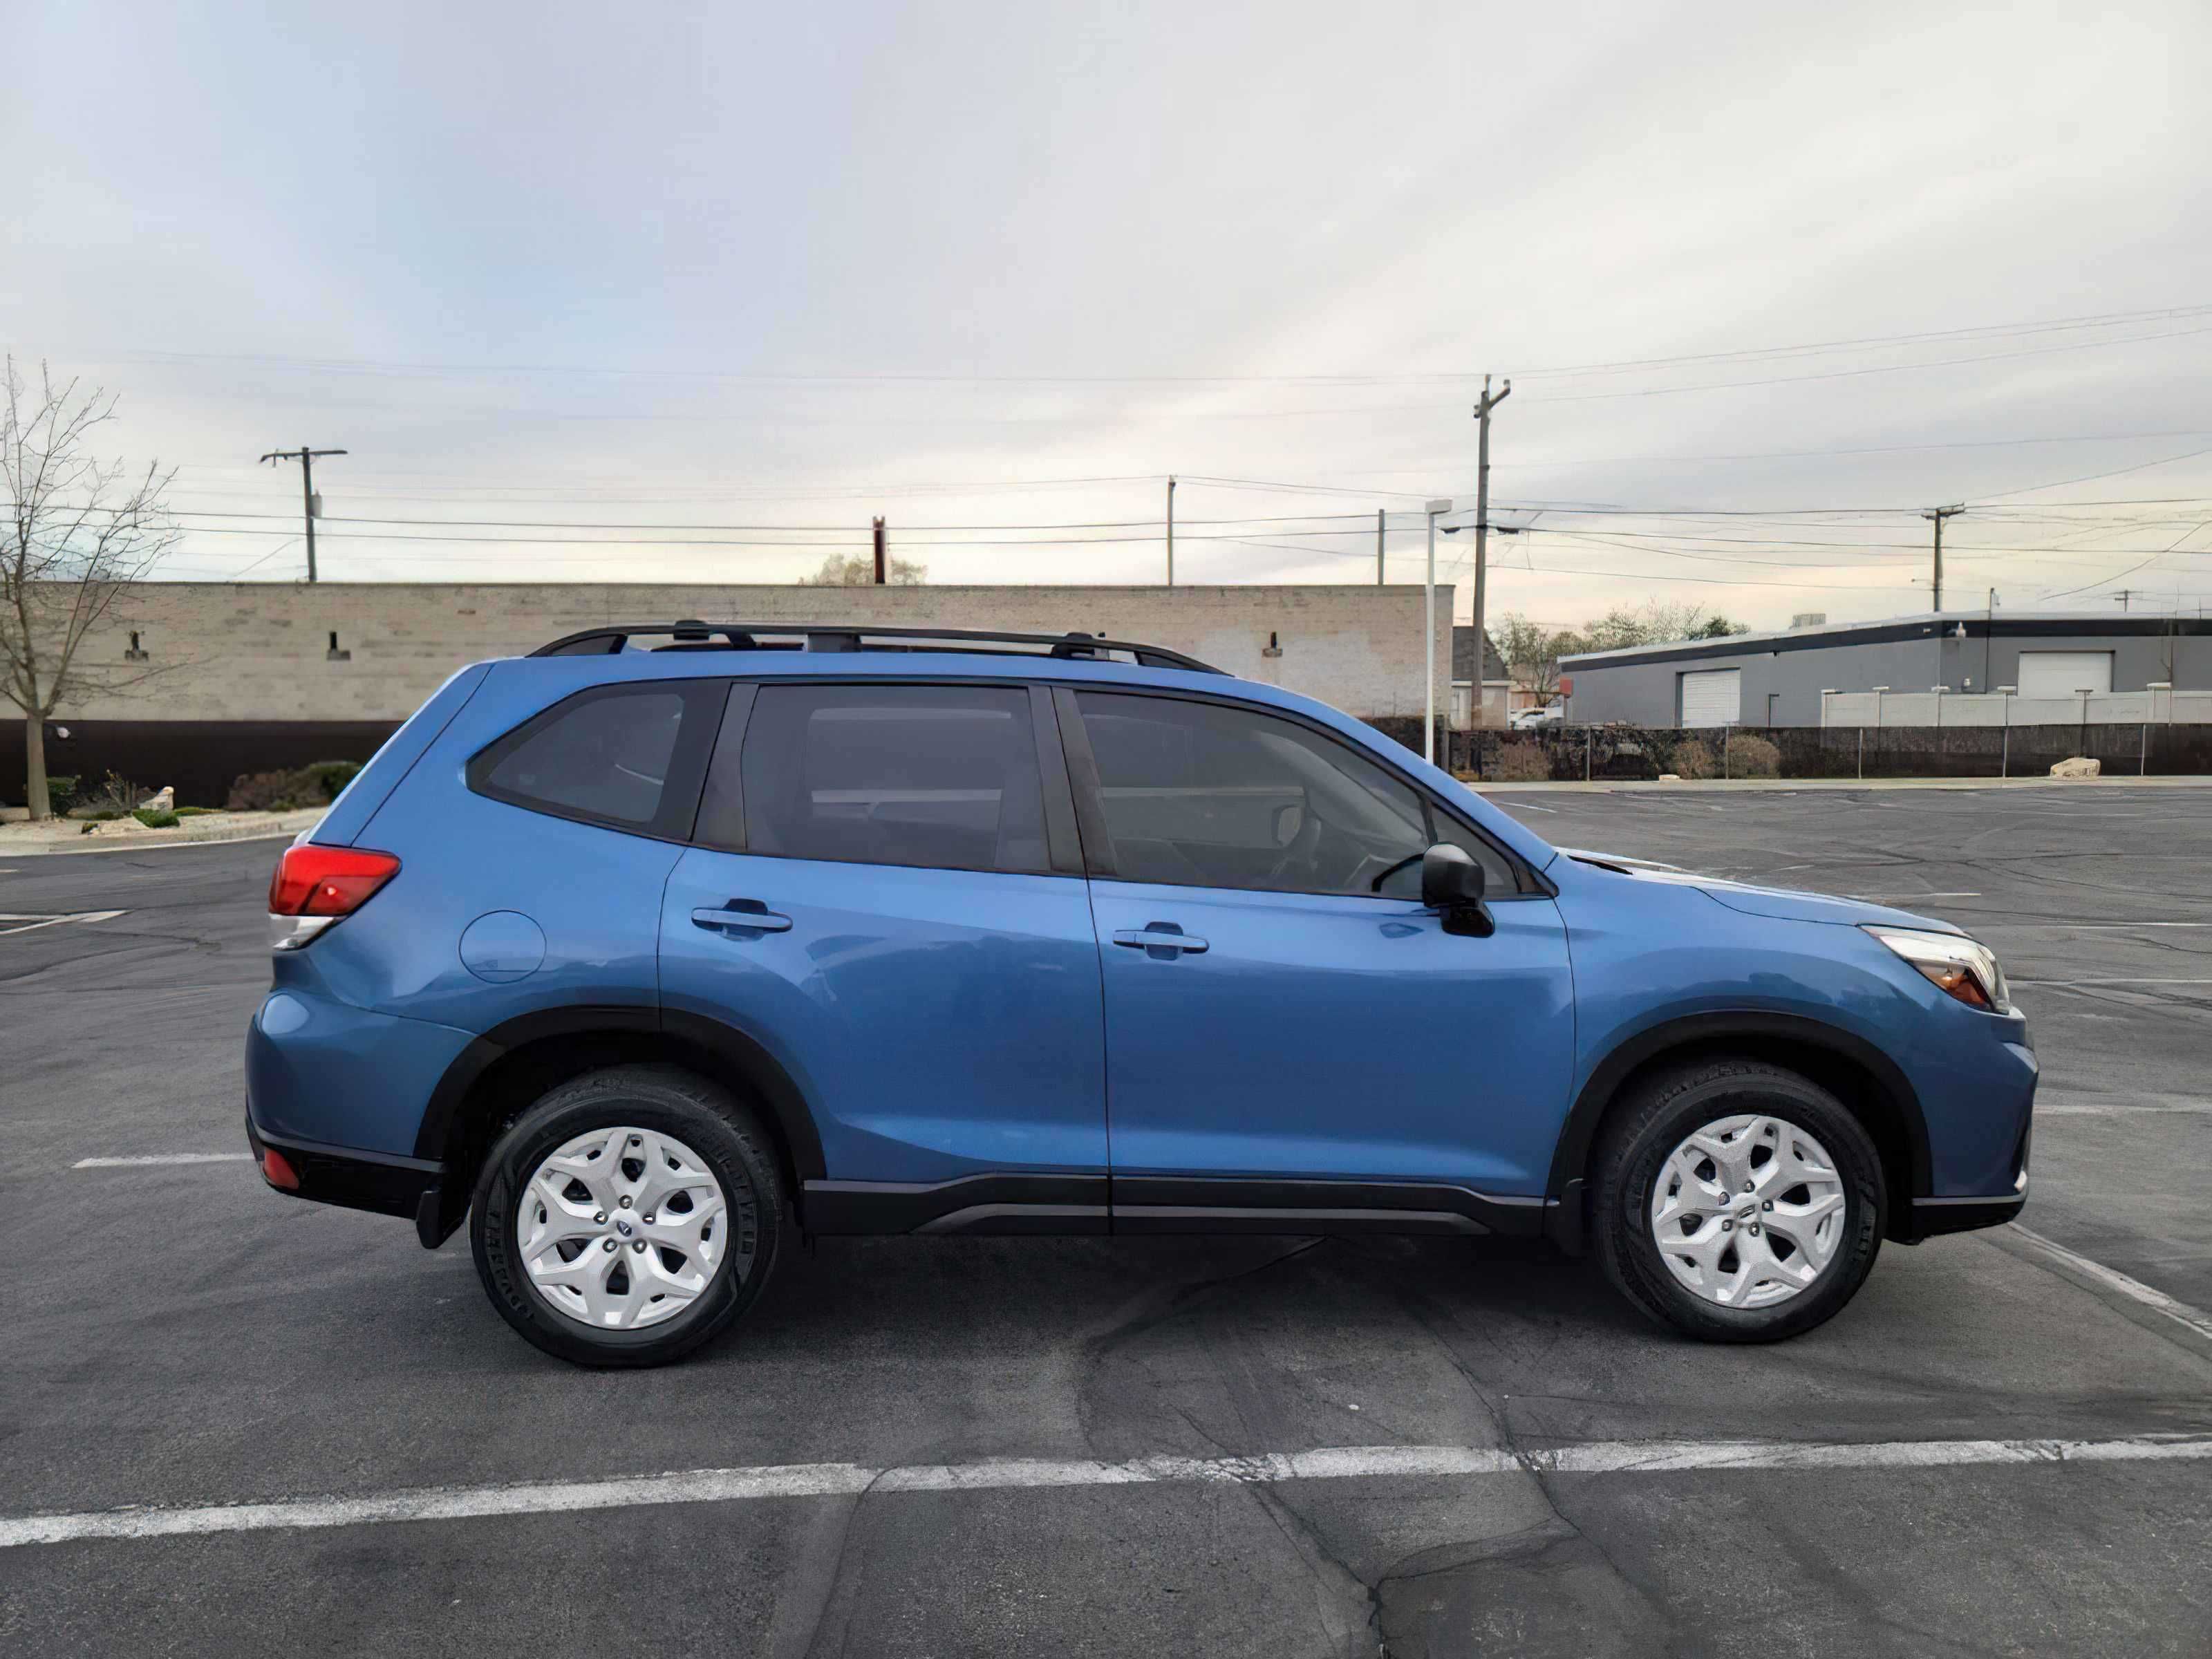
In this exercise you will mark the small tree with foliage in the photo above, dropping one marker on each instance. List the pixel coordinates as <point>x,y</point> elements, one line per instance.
<point>79,530</point>
<point>859,570</point>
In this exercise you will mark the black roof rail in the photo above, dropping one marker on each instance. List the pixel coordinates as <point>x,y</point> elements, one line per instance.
<point>690,635</point>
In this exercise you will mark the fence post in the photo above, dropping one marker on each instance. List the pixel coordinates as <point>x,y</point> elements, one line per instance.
<point>1586,754</point>
<point>2142,758</point>
<point>2005,766</point>
<point>1862,754</point>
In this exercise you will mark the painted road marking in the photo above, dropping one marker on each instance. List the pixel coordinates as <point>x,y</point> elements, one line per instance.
<point>2043,1110</point>
<point>2133,1289</point>
<point>33,923</point>
<point>2068,984</point>
<point>1901,898</point>
<point>1603,1457</point>
<point>161,1157</point>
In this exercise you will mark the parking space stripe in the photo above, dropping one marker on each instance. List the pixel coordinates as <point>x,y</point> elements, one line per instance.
<point>1604,1457</point>
<point>161,1157</point>
<point>2112,1280</point>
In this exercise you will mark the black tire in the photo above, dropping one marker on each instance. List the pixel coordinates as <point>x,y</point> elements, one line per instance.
<point>1664,1110</point>
<point>664,1098</point>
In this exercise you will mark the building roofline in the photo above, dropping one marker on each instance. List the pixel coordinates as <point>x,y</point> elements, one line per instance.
<point>2019,625</point>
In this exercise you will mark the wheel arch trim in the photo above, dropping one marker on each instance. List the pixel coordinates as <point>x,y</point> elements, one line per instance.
<point>730,1052</point>
<point>1578,1134</point>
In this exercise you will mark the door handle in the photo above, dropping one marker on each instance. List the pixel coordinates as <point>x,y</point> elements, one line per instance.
<point>1163,941</point>
<point>746,917</point>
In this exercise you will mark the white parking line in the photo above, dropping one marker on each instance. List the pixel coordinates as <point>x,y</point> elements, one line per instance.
<point>2112,1280</point>
<point>33,923</point>
<point>1604,1457</point>
<point>2183,1108</point>
<point>161,1157</point>
<point>2068,984</point>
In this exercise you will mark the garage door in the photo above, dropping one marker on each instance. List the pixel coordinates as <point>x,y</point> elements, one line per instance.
<point>1713,697</point>
<point>2063,673</point>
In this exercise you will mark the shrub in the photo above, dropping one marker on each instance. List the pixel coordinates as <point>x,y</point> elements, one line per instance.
<point>314,785</point>
<point>1521,763</point>
<point>154,820</point>
<point>1753,758</point>
<point>106,815</point>
<point>332,777</point>
<point>196,812</point>
<point>1692,759</point>
<point>60,792</point>
<point>266,792</point>
<point>115,796</point>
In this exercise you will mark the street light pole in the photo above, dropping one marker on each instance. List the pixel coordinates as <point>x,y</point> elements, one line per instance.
<point>1429,685</point>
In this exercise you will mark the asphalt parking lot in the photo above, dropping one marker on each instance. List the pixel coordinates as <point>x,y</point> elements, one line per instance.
<point>1108,1446</point>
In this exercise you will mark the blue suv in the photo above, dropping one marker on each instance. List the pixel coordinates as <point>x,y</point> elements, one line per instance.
<point>647,951</point>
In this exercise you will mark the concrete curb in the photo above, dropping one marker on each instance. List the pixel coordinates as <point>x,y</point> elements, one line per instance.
<point>269,827</point>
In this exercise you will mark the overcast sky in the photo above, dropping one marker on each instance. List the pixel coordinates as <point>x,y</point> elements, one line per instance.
<point>793,265</point>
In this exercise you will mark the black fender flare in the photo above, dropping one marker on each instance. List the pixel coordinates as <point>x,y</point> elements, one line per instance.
<point>730,1051</point>
<point>1571,1158</point>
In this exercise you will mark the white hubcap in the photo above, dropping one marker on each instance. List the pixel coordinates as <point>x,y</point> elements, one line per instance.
<point>1747,1212</point>
<point>623,1227</point>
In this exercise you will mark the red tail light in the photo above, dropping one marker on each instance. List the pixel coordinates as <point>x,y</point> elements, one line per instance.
<point>327,881</point>
<point>277,1170</point>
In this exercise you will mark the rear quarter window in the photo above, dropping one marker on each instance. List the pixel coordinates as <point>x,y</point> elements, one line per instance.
<point>624,755</point>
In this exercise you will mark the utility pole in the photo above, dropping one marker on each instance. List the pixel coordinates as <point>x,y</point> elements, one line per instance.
<point>883,565</point>
<point>1170,530</point>
<point>1378,547</point>
<point>306,456</point>
<point>2124,595</point>
<point>1482,525</point>
<point>1936,516</point>
<point>1429,689</point>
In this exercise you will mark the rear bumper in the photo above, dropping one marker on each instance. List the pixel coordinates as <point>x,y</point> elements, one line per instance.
<point>381,1183</point>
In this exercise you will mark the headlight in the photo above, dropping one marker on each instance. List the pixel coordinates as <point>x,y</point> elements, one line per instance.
<point>1961,966</point>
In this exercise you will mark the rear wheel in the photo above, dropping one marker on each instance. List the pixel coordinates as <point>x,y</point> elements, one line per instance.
<point>1737,1201</point>
<point>628,1217</point>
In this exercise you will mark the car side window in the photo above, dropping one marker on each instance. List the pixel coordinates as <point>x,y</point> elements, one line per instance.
<point>606,755</point>
<point>1200,794</point>
<point>941,776</point>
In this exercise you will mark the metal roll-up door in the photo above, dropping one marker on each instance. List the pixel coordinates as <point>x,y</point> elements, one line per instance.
<point>1713,697</point>
<point>2063,673</point>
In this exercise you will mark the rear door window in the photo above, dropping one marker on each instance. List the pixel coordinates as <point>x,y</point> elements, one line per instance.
<point>941,776</point>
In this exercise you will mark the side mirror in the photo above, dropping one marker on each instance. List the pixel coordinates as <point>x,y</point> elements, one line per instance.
<point>1452,882</point>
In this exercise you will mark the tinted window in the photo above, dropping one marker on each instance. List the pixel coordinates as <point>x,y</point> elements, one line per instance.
<point>1202,795</point>
<point>604,755</point>
<point>942,775</point>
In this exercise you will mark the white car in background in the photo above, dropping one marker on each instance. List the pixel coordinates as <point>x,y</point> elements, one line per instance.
<point>1525,719</point>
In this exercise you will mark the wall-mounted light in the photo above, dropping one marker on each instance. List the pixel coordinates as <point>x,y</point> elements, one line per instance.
<point>136,652</point>
<point>1274,646</point>
<point>334,654</point>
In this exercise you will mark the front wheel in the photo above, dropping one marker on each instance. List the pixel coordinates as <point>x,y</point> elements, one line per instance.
<point>1737,1201</point>
<point>627,1216</point>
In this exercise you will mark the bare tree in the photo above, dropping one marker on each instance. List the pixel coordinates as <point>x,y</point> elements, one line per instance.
<point>79,530</point>
<point>859,570</point>
<point>1532,653</point>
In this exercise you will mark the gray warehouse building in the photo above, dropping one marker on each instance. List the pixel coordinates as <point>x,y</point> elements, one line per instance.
<point>1917,670</point>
